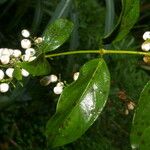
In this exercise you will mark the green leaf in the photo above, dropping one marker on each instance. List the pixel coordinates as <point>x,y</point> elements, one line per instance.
<point>141,119</point>
<point>38,15</point>
<point>145,140</point>
<point>55,35</point>
<point>17,73</point>
<point>128,17</point>
<point>110,15</point>
<point>80,104</point>
<point>39,66</point>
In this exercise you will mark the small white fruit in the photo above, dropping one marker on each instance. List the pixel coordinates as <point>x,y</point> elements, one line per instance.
<point>5,59</point>
<point>11,51</point>
<point>25,43</point>
<point>25,33</point>
<point>32,58</point>
<point>4,87</point>
<point>16,53</point>
<point>25,57</point>
<point>30,52</point>
<point>60,84</point>
<point>130,105</point>
<point>146,59</point>
<point>145,46</point>
<point>58,90</point>
<point>38,40</point>
<point>1,74</point>
<point>24,72</point>
<point>126,112</point>
<point>9,72</point>
<point>53,78</point>
<point>75,76</point>
<point>146,35</point>
<point>5,51</point>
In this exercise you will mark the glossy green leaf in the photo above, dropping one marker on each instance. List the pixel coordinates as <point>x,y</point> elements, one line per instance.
<point>128,17</point>
<point>145,140</point>
<point>39,66</point>
<point>80,104</point>
<point>55,35</point>
<point>141,119</point>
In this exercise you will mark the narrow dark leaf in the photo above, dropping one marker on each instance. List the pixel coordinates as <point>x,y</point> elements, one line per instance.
<point>80,104</point>
<point>39,66</point>
<point>141,119</point>
<point>61,10</point>
<point>128,17</point>
<point>55,35</point>
<point>38,14</point>
<point>110,15</point>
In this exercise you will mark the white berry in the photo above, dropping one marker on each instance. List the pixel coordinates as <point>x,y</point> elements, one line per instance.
<point>4,87</point>
<point>32,58</point>
<point>60,84</point>
<point>5,59</point>
<point>9,72</point>
<point>16,53</point>
<point>25,57</point>
<point>25,33</point>
<point>24,72</point>
<point>53,78</point>
<point>58,90</point>
<point>126,112</point>
<point>130,105</point>
<point>1,74</point>
<point>25,43</point>
<point>145,46</point>
<point>146,35</point>
<point>11,51</point>
<point>5,51</point>
<point>38,40</point>
<point>30,51</point>
<point>75,76</point>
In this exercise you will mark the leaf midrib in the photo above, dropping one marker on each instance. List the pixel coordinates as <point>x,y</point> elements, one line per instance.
<point>99,64</point>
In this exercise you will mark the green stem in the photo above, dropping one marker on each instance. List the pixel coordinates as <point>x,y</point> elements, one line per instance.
<point>126,52</point>
<point>101,52</point>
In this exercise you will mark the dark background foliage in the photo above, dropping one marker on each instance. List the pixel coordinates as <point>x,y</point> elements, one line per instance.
<point>23,119</point>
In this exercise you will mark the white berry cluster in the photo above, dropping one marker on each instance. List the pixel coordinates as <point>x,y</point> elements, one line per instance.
<point>26,44</point>
<point>58,89</point>
<point>53,79</point>
<point>10,57</point>
<point>146,45</point>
